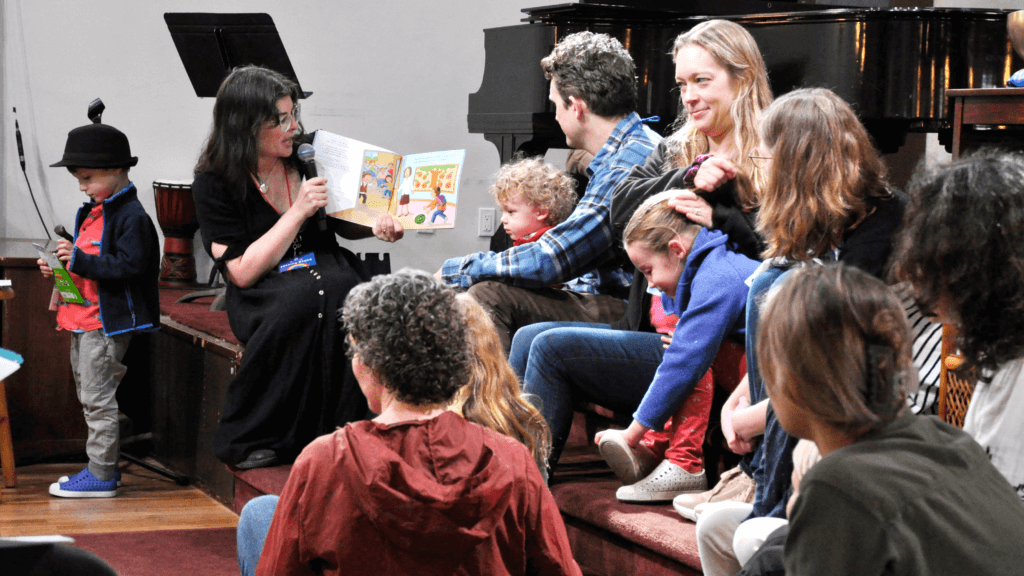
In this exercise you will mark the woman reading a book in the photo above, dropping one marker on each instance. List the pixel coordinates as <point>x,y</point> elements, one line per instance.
<point>286,278</point>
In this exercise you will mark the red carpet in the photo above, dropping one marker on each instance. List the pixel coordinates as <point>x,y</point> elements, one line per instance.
<point>166,552</point>
<point>196,314</point>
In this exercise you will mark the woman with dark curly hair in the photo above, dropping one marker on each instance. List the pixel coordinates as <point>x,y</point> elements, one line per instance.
<point>418,490</point>
<point>962,250</point>
<point>285,275</point>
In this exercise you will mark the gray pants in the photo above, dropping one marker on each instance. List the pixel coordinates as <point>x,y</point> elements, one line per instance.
<point>96,364</point>
<point>512,307</point>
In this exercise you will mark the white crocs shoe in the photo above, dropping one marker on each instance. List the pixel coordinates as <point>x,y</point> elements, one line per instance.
<point>663,484</point>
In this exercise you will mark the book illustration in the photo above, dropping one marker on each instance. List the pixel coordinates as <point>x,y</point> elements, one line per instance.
<point>61,277</point>
<point>365,181</point>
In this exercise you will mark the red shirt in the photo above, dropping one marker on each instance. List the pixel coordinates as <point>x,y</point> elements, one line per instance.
<point>438,496</point>
<point>85,316</point>
<point>663,323</point>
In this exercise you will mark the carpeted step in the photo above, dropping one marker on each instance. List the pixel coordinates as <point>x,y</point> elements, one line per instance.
<point>610,537</point>
<point>257,482</point>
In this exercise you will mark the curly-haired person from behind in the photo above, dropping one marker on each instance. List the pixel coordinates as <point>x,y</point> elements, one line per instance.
<point>894,492</point>
<point>417,490</point>
<point>961,250</point>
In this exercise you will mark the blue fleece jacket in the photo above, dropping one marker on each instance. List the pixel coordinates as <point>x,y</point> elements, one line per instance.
<point>710,301</point>
<point>127,267</point>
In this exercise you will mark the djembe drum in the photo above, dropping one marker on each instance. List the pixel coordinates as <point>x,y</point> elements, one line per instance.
<point>176,214</point>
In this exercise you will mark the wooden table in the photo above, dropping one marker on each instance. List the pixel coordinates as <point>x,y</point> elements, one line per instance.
<point>46,416</point>
<point>984,106</point>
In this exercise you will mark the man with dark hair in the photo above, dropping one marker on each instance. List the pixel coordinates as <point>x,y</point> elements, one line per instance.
<point>593,89</point>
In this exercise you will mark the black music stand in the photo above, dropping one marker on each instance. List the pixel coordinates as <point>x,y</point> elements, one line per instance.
<point>210,45</point>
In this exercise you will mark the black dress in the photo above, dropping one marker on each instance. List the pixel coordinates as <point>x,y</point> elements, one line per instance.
<point>295,382</point>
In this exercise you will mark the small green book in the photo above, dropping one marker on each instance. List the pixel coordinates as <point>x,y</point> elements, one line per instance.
<point>62,278</point>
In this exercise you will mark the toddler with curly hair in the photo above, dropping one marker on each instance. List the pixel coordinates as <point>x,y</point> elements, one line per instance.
<point>534,197</point>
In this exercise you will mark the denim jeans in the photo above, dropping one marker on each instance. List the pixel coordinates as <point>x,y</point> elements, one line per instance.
<point>253,524</point>
<point>519,353</point>
<point>567,365</point>
<point>772,464</point>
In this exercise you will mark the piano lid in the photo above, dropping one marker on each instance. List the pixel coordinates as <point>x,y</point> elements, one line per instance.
<point>892,65</point>
<point>655,11</point>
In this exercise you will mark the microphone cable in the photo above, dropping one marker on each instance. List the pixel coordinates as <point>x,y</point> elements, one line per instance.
<point>21,158</point>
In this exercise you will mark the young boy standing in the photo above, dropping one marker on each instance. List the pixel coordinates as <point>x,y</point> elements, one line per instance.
<point>534,197</point>
<point>115,262</point>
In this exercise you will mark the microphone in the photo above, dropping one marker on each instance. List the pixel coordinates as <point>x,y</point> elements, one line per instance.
<point>21,148</point>
<point>59,229</point>
<point>306,156</point>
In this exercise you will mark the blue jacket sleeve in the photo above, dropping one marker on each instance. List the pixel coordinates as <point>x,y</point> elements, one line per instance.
<point>717,303</point>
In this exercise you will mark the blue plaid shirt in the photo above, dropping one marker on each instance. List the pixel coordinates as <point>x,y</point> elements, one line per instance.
<point>582,244</point>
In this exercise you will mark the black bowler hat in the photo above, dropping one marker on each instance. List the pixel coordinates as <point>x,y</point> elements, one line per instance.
<point>97,146</point>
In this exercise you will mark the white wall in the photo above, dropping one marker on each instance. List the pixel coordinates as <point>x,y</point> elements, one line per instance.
<point>396,73</point>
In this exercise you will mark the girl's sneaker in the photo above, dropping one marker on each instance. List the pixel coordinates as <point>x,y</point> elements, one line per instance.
<point>84,485</point>
<point>666,482</point>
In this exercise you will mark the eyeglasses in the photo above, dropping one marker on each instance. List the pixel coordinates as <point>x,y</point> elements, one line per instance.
<point>285,119</point>
<point>760,161</point>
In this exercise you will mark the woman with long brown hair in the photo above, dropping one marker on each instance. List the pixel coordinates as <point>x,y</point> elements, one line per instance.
<point>825,199</point>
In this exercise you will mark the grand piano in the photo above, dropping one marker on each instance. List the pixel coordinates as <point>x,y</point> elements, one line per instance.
<point>892,65</point>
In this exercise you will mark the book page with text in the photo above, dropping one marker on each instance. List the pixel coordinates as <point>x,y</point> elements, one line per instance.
<point>340,160</point>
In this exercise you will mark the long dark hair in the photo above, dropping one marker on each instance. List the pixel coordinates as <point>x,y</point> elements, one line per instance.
<point>246,102</point>
<point>963,239</point>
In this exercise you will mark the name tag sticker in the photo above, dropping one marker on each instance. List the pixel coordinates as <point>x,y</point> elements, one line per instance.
<point>304,261</point>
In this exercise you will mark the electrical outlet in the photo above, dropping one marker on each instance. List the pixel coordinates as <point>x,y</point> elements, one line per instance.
<point>486,225</point>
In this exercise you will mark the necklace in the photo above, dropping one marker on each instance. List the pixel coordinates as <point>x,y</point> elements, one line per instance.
<point>263,185</point>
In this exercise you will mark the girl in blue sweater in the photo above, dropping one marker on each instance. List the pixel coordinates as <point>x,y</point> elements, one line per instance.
<point>702,283</point>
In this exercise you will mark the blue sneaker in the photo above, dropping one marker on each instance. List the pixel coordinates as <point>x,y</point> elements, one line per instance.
<point>84,485</point>
<point>117,476</point>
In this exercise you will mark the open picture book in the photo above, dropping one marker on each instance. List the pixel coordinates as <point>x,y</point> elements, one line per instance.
<point>365,181</point>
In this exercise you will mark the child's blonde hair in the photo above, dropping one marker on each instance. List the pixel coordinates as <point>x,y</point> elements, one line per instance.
<point>538,183</point>
<point>655,224</point>
<point>838,341</point>
<point>493,398</point>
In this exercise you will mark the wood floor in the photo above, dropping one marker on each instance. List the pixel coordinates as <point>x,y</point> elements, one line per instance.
<point>146,501</point>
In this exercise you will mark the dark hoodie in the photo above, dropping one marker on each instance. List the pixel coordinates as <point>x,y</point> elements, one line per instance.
<point>437,496</point>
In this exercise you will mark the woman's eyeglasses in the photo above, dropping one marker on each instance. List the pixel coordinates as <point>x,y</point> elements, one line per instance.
<point>760,161</point>
<point>285,119</point>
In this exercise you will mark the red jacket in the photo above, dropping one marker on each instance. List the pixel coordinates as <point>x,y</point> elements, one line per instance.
<point>437,496</point>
